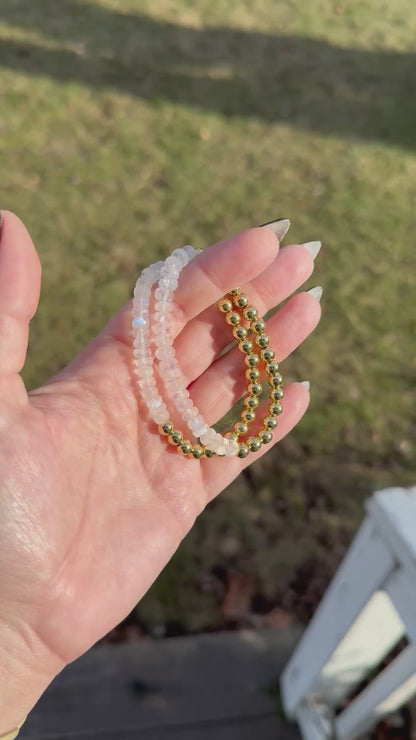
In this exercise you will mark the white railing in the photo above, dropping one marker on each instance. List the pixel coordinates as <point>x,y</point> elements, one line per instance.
<point>367,611</point>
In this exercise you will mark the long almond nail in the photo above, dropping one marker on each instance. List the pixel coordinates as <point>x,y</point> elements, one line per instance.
<point>305,383</point>
<point>316,292</point>
<point>279,227</point>
<point>312,247</point>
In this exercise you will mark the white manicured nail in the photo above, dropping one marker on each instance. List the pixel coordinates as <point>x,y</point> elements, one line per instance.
<point>316,292</point>
<point>313,248</point>
<point>305,383</point>
<point>280,227</point>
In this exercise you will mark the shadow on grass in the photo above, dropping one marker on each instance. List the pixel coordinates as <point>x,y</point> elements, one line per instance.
<point>307,83</point>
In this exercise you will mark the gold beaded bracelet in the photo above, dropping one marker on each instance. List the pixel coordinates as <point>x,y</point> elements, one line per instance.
<point>266,355</point>
<point>234,305</point>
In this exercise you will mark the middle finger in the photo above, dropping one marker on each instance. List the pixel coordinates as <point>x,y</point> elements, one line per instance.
<point>201,340</point>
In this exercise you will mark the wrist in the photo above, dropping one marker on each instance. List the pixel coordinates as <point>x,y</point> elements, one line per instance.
<point>26,670</point>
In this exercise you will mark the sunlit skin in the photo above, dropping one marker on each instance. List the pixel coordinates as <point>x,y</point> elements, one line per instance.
<point>93,502</point>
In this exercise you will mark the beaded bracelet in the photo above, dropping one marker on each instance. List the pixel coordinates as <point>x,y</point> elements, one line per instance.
<point>252,360</point>
<point>210,442</point>
<point>175,381</point>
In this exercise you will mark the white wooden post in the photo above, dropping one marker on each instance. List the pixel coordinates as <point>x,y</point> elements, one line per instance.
<point>368,607</point>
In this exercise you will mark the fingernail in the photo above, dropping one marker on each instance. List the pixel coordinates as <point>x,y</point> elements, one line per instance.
<point>316,292</point>
<point>312,247</point>
<point>305,383</point>
<point>279,227</point>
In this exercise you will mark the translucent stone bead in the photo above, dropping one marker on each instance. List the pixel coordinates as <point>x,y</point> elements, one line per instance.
<point>193,411</point>
<point>181,256</point>
<point>180,395</point>
<point>139,321</point>
<point>142,352</point>
<point>172,263</point>
<point>151,399</point>
<point>197,427</point>
<point>145,372</point>
<point>161,353</point>
<point>208,437</point>
<point>161,317</point>
<point>160,415</point>
<point>146,384</point>
<point>169,366</point>
<point>146,281</point>
<point>219,449</point>
<point>162,294</point>
<point>162,305</point>
<point>231,448</point>
<point>170,275</point>
<point>164,283</point>
<point>159,328</point>
<point>190,251</point>
<point>140,305</point>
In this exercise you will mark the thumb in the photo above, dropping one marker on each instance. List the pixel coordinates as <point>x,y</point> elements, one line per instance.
<point>20,274</point>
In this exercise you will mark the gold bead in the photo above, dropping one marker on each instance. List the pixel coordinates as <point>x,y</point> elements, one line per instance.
<point>272,368</point>
<point>209,453</point>
<point>243,451</point>
<point>234,291</point>
<point>254,444</point>
<point>251,402</point>
<point>175,438</point>
<point>232,318</point>
<point>197,452</point>
<point>265,436</point>
<point>275,409</point>
<point>185,448</point>
<point>166,428</point>
<point>225,305</point>
<point>245,346</point>
<point>255,389</point>
<point>252,374</point>
<point>270,422</point>
<point>258,326</point>
<point>240,428</point>
<point>276,394</point>
<point>275,380</point>
<point>251,360</point>
<point>240,333</point>
<point>250,313</point>
<point>247,415</point>
<point>267,354</point>
<point>262,340</point>
<point>240,300</point>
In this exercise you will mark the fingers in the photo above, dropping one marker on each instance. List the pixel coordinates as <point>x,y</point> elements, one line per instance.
<point>206,335</point>
<point>20,274</point>
<point>227,264</point>
<point>220,387</point>
<point>219,473</point>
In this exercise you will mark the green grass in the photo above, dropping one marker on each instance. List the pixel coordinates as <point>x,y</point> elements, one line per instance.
<point>128,130</point>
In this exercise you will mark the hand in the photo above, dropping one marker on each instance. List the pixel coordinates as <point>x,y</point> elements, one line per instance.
<point>93,502</point>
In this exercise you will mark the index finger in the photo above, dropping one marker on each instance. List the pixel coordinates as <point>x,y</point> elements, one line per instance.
<point>222,267</point>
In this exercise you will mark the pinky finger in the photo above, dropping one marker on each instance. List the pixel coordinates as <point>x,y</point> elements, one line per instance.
<point>220,473</point>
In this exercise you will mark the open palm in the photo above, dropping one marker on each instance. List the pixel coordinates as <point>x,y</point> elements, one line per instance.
<point>92,501</point>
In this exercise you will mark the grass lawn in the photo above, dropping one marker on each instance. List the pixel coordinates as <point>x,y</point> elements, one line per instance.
<point>129,128</point>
